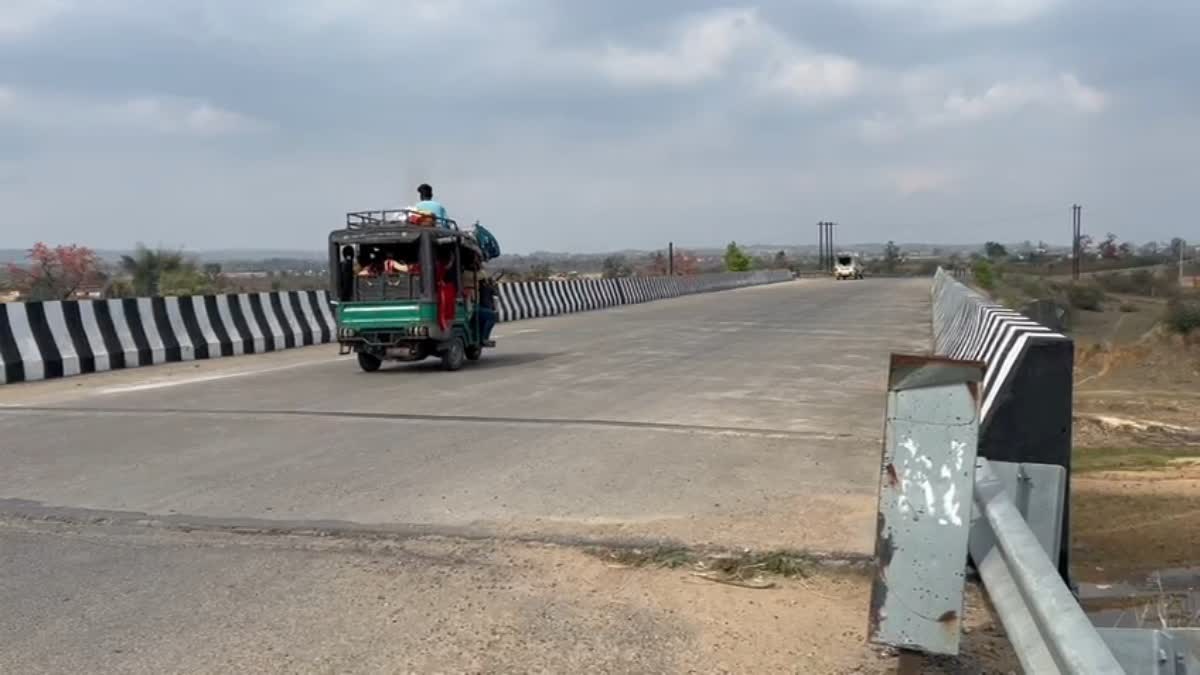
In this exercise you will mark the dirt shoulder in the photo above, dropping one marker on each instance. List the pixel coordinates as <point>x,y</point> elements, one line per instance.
<point>1136,486</point>
<point>145,599</point>
<point>1128,524</point>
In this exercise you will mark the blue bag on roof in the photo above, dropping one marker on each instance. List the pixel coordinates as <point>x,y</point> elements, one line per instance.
<point>487,242</point>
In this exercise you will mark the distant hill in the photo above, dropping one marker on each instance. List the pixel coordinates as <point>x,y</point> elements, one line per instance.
<point>13,255</point>
<point>16,255</point>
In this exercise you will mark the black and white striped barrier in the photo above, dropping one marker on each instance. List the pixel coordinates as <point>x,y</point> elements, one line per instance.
<point>534,299</point>
<point>44,340</point>
<point>1026,396</point>
<point>646,289</point>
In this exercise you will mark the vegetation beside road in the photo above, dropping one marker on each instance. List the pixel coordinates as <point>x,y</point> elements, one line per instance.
<point>1136,462</point>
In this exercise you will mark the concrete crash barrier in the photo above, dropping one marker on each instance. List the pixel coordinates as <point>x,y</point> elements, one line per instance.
<point>646,289</point>
<point>534,299</point>
<point>1025,411</point>
<point>46,340</point>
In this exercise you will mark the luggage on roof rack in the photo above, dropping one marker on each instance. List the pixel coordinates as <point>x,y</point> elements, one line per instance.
<point>360,220</point>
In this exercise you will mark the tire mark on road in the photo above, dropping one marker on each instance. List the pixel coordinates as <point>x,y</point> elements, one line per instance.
<point>414,417</point>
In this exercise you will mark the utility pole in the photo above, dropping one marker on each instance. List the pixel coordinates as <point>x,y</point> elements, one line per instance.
<point>825,249</point>
<point>1182,246</point>
<point>821,245</point>
<point>1076,241</point>
<point>671,258</point>
<point>831,255</point>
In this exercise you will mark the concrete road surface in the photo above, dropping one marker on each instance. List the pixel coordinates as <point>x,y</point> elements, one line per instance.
<point>740,419</point>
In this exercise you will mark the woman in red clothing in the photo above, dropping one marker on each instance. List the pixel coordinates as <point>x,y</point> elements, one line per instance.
<point>446,280</point>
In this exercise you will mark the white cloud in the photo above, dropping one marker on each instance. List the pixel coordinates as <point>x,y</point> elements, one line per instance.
<point>1064,95</point>
<point>175,117</point>
<point>913,181</point>
<point>370,20</point>
<point>150,115</point>
<point>961,14</point>
<point>19,18</point>
<point>711,45</point>
<point>699,50</point>
<point>819,76</point>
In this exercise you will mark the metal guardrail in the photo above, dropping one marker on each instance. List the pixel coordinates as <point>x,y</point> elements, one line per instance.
<point>1047,627</point>
<point>1013,536</point>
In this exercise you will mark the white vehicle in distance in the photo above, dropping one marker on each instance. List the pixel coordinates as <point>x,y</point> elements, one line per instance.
<point>847,266</point>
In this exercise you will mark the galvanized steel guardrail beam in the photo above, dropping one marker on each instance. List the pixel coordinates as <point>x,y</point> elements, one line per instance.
<point>1049,630</point>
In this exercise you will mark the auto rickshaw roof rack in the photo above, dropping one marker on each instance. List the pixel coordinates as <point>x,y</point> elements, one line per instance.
<point>362,220</point>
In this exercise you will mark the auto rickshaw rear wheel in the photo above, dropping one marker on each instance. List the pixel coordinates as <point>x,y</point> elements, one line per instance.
<point>369,362</point>
<point>455,355</point>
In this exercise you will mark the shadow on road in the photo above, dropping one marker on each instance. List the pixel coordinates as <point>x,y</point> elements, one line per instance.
<point>488,362</point>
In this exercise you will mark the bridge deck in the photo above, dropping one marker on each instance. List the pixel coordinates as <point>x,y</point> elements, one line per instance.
<point>745,418</point>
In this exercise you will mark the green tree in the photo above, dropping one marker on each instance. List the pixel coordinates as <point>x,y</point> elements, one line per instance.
<point>985,274</point>
<point>186,280</point>
<point>119,288</point>
<point>615,266</point>
<point>735,259</point>
<point>540,272</point>
<point>781,261</point>
<point>995,250</point>
<point>891,257</point>
<point>147,266</point>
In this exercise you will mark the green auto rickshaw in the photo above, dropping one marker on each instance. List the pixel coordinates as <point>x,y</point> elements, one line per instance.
<point>406,286</point>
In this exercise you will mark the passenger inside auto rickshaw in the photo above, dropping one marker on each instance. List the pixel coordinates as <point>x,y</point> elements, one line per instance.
<point>446,277</point>
<point>387,266</point>
<point>487,306</point>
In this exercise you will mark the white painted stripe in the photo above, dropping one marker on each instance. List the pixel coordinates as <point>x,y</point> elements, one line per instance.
<point>62,337</point>
<point>313,324</point>
<point>187,351</point>
<point>289,316</point>
<point>1005,367</point>
<point>206,327</point>
<point>272,319</point>
<point>129,350</point>
<point>327,311</point>
<point>248,313</point>
<point>158,352</point>
<point>3,363</point>
<point>357,310</point>
<point>31,356</point>
<point>91,330</point>
<point>226,318</point>
<point>213,378</point>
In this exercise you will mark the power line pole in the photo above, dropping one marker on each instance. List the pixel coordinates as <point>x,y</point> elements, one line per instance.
<point>1182,246</point>
<point>1076,241</point>
<point>833,252</point>
<point>671,258</point>
<point>825,250</point>
<point>821,245</point>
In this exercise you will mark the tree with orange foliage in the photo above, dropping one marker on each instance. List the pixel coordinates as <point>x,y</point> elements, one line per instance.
<point>54,273</point>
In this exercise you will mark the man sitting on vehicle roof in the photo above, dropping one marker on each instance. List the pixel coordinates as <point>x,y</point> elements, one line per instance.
<point>428,204</point>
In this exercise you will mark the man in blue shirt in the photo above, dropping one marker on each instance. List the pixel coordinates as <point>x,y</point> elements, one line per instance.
<point>427,203</point>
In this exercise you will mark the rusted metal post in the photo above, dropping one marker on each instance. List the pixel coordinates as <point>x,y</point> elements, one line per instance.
<point>925,497</point>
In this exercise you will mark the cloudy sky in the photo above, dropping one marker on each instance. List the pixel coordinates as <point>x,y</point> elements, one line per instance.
<point>598,125</point>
